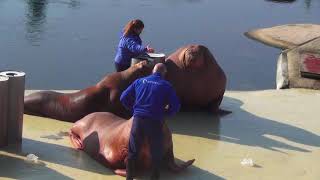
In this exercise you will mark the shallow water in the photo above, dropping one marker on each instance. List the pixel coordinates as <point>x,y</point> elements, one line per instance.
<point>70,44</point>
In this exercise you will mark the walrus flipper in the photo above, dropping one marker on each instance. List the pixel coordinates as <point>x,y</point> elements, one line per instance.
<point>76,140</point>
<point>121,172</point>
<point>173,166</point>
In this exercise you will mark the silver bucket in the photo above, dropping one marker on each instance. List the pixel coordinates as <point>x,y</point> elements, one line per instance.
<point>151,58</point>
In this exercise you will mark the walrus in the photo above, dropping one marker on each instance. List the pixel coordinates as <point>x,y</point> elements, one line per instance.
<point>102,97</point>
<point>105,137</point>
<point>197,78</point>
<point>192,70</point>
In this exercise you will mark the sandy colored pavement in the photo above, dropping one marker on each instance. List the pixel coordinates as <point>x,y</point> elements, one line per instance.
<point>278,130</point>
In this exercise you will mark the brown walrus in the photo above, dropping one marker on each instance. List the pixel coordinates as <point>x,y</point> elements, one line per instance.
<point>192,70</point>
<point>105,136</point>
<point>197,78</point>
<point>104,96</point>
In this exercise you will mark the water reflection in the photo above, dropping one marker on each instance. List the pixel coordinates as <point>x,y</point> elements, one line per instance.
<point>308,3</point>
<point>281,1</point>
<point>193,1</point>
<point>70,3</point>
<point>53,21</point>
<point>36,19</point>
<point>181,2</point>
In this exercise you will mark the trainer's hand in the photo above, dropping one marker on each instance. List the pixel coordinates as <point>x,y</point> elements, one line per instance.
<point>150,49</point>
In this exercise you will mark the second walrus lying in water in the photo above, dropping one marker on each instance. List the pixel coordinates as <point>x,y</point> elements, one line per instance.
<point>105,136</point>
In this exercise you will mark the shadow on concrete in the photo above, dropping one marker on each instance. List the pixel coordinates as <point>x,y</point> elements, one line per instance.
<point>58,136</point>
<point>200,124</point>
<point>191,173</point>
<point>242,127</point>
<point>16,168</point>
<point>58,154</point>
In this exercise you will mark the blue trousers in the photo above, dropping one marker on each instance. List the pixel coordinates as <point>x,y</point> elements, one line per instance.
<point>150,129</point>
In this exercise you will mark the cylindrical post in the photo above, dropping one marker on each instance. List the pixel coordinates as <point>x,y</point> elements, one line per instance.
<point>3,110</point>
<point>16,88</point>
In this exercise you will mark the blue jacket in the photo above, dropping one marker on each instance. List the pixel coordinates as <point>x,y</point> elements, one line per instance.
<point>148,97</point>
<point>129,47</point>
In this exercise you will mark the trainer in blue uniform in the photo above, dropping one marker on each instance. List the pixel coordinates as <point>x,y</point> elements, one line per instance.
<point>130,45</point>
<point>150,98</point>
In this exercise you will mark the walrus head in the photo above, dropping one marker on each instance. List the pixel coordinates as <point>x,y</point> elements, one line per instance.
<point>194,57</point>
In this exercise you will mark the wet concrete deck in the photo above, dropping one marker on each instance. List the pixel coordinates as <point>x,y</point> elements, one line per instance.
<point>278,130</point>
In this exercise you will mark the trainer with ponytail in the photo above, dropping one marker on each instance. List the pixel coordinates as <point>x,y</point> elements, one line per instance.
<point>130,45</point>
